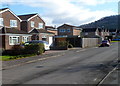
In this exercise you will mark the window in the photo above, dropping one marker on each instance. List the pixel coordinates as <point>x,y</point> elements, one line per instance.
<point>40,25</point>
<point>1,21</point>
<point>25,39</point>
<point>13,40</point>
<point>13,23</point>
<point>62,30</point>
<point>86,33</point>
<point>68,30</point>
<point>32,23</point>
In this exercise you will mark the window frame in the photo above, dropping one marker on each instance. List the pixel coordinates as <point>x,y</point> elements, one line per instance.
<point>11,38</point>
<point>13,23</point>
<point>1,22</point>
<point>32,24</point>
<point>25,39</point>
<point>40,25</point>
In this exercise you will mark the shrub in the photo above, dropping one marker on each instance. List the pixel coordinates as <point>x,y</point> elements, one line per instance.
<point>62,43</point>
<point>35,49</point>
<point>17,47</point>
<point>70,46</point>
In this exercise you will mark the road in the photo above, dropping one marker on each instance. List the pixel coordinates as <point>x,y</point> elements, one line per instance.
<point>79,66</point>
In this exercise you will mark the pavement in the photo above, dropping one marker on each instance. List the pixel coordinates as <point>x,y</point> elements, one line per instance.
<point>112,78</point>
<point>27,60</point>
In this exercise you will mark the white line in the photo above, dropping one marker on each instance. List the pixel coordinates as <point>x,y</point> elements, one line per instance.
<point>81,50</point>
<point>107,76</point>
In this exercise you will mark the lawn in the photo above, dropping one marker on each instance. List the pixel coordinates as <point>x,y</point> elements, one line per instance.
<point>7,58</point>
<point>115,41</point>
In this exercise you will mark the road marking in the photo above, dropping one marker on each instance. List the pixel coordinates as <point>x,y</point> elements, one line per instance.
<point>106,76</point>
<point>80,50</point>
<point>95,79</point>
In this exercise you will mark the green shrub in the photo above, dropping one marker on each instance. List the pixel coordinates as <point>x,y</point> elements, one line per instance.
<point>62,43</point>
<point>17,47</point>
<point>35,49</point>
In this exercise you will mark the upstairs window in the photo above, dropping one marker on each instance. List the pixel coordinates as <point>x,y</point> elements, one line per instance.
<point>62,30</point>
<point>32,23</point>
<point>1,21</point>
<point>68,30</point>
<point>40,25</point>
<point>13,23</point>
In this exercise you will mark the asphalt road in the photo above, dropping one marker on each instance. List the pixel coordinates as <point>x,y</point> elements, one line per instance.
<point>80,66</point>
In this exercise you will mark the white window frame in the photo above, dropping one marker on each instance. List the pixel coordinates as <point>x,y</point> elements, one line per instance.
<point>1,22</point>
<point>86,33</point>
<point>32,23</point>
<point>25,39</point>
<point>11,42</point>
<point>13,23</point>
<point>40,26</point>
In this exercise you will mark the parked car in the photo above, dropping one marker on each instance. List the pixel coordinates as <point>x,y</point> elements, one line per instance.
<point>46,44</point>
<point>105,43</point>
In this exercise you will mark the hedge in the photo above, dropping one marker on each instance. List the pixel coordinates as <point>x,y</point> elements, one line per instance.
<point>35,49</point>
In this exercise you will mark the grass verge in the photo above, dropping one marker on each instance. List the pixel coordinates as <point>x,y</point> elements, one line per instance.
<point>8,58</point>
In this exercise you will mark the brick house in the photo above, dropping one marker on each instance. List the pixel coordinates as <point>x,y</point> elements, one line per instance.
<point>91,32</point>
<point>10,32</point>
<point>68,30</point>
<point>70,34</point>
<point>35,25</point>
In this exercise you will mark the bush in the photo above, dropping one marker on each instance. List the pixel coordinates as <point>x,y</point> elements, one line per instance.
<point>70,46</point>
<point>17,47</point>
<point>62,43</point>
<point>35,49</point>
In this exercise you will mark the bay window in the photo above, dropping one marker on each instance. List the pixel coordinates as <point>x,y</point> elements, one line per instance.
<point>25,39</point>
<point>13,40</point>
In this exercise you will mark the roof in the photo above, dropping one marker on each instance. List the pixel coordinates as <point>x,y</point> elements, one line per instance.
<point>3,9</point>
<point>50,28</point>
<point>7,9</point>
<point>112,30</point>
<point>40,31</point>
<point>89,29</point>
<point>66,25</point>
<point>26,16</point>
<point>12,30</point>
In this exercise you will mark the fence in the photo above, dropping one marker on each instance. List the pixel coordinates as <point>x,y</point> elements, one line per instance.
<point>90,42</point>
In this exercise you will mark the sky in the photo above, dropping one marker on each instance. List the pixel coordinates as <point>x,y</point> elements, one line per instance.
<point>58,12</point>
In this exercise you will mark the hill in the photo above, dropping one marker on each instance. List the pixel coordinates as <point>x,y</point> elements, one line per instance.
<point>110,22</point>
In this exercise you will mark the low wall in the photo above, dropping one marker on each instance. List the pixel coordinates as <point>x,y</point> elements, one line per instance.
<point>90,42</point>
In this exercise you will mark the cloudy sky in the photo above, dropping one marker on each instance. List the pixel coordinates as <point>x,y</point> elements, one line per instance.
<point>57,12</point>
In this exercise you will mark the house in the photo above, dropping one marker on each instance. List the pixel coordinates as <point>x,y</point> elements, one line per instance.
<point>35,25</point>
<point>113,32</point>
<point>68,30</point>
<point>91,32</point>
<point>51,29</point>
<point>70,34</point>
<point>10,30</point>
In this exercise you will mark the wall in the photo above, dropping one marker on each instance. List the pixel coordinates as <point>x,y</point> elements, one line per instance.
<point>7,16</point>
<point>90,42</point>
<point>36,20</point>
